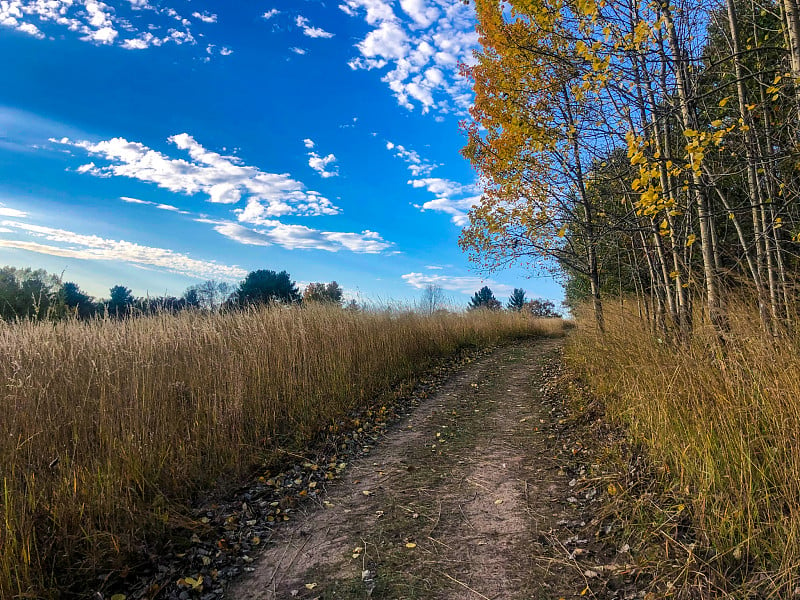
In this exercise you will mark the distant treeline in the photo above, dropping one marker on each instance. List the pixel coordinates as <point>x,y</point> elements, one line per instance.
<point>36,294</point>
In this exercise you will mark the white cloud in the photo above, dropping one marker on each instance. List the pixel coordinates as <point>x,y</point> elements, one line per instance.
<point>223,179</point>
<point>464,284</point>
<point>299,237</point>
<point>100,23</point>
<point>423,15</point>
<point>312,32</point>
<point>415,163</point>
<point>320,164</point>
<point>31,29</point>
<point>309,143</point>
<point>376,10</point>
<point>205,17</point>
<point>388,41</point>
<point>422,46</point>
<point>133,200</point>
<point>225,51</point>
<point>270,13</point>
<point>297,50</point>
<point>5,211</point>
<point>91,247</point>
<point>452,198</point>
<point>168,207</point>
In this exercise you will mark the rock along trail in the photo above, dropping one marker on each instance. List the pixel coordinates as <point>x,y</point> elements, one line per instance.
<point>465,498</point>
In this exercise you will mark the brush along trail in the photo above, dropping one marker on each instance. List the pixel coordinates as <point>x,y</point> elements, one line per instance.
<point>473,495</point>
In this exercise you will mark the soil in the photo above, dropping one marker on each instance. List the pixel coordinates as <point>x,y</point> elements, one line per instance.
<point>481,492</point>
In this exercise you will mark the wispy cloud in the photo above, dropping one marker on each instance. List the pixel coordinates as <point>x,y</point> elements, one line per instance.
<point>463,284</point>
<point>158,205</point>
<point>269,231</point>
<point>69,244</point>
<point>223,179</point>
<point>416,164</point>
<point>270,13</point>
<point>309,31</point>
<point>422,46</point>
<point>297,50</point>
<point>452,198</point>
<point>6,211</point>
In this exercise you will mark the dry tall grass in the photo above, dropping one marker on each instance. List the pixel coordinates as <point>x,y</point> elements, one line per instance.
<point>107,425</point>
<point>724,424</point>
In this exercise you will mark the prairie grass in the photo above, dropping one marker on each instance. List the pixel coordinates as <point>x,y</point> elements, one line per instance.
<point>108,426</point>
<point>723,424</point>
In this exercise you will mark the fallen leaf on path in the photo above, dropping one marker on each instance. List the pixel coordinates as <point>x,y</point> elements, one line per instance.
<point>498,501</point>
<point>589,574</point>
<point>367,493</point>
<point>411,545</point>
<point>311,586</point>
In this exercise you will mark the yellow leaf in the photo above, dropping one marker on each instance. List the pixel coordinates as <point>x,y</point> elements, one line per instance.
<point>717,123</point>
<point>367,493</point>
<point>411,545</point>
<point>498,501</point>
<point>612,489</point>
<point>724,101</point>
<point>690,240</point>
<point>193,583</point>
<point>311,586</point>
<point>562,232</point>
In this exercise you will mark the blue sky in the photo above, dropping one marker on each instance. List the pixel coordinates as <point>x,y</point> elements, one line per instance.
<point>160,143</point>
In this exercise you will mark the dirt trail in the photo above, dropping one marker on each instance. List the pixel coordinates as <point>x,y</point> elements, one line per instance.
<point>458,501</point>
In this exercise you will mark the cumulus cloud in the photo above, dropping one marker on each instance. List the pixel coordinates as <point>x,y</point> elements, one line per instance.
<point>223,179</point>
<point>421,46</point>
<point>309,143</point>
<point>464,284</point>
<point>422,14</point>
<point>309,31</point>
<point>270,13</point>
<point>135,26</point>
<point>69,244</point>
<point>205,17</point>
<point>415,163</point>
<point>452,198</point>
<point>298,237</point>
<point>320,164</point>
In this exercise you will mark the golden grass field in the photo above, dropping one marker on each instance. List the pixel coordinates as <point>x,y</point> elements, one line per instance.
<point>724,424</point>
<point>107,426</point>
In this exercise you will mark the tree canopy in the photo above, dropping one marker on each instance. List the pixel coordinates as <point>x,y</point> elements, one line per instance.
<point>516,301</point>
<point>265,286</point>
<point>324,293</point>
<point>642,149</point>
<point>484,298</point>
